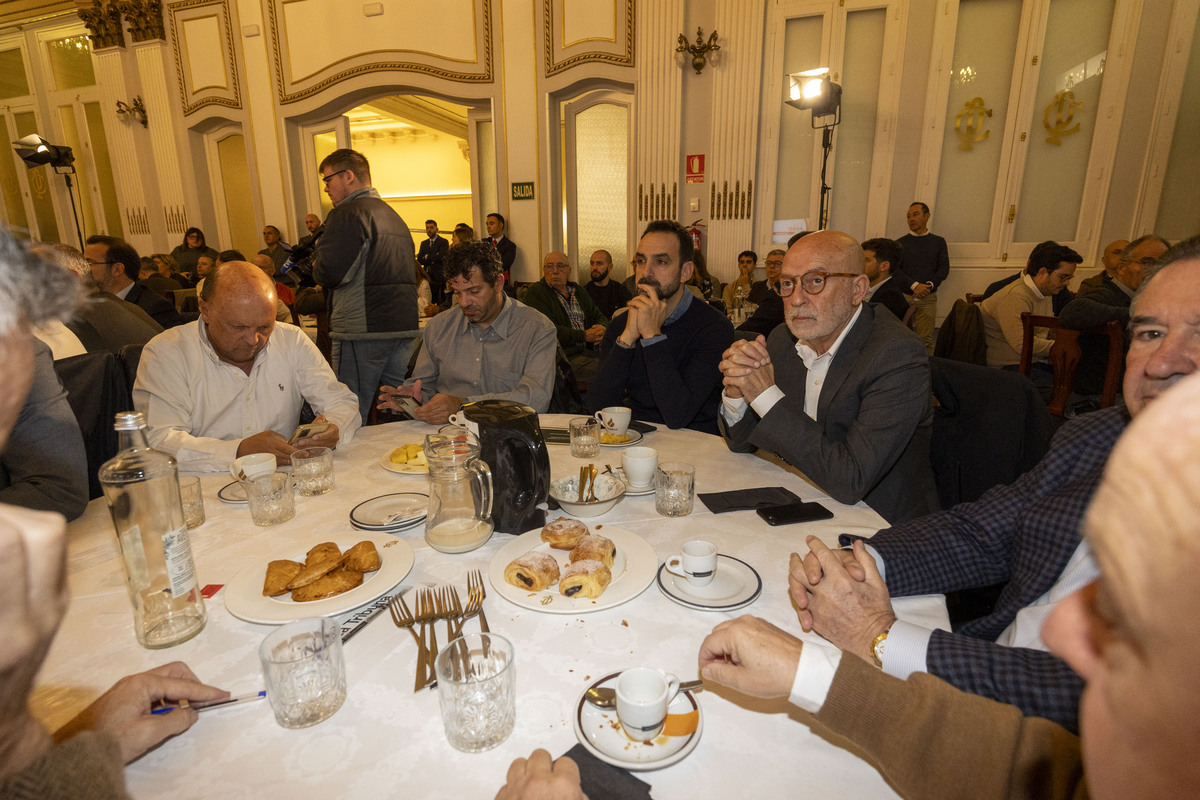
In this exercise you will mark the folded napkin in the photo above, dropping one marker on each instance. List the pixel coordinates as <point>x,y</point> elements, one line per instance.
<point>742,499</point>
<point>604,781</point>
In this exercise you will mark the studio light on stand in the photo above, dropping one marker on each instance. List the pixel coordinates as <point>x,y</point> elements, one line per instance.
<point>36,151</point>
<point>812,89</point>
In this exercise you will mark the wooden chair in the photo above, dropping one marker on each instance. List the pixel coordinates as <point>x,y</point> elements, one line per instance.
<point>1064,359</point>
<point>974,298</point>
<point>185,300</point>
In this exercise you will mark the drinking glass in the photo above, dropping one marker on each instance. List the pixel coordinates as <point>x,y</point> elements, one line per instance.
<point>585,437</point>
<point>674,488</point>
<point>271,499</point>
<point>477,690</point>
<point>304,671</point>
<point>312,469</point>
<point>193,501</point>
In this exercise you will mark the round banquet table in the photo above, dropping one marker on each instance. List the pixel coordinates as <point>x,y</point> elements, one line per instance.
<point>387,741</point>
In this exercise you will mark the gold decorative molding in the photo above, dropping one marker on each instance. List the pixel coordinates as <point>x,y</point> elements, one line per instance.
<point>145,19</point>
<point>725,203</point>
<point>589,51</point>
<point>1064,105</point>
<point>195,99</point>
<point>969,122</point>
<point>658,204</point>
<point>103,21</point>
<point>291,90</point>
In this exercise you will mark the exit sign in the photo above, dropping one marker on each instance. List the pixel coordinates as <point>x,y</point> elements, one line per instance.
<point>522,191</point>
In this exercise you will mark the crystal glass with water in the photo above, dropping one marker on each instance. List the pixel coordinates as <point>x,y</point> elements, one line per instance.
<point>312,470</point>
<point>304,671</point>
<point>272,499</point>
<point>477,691</point>
<point>674,488</point>
<point>585,437</point>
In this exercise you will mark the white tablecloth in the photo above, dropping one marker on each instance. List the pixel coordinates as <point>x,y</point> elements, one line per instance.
<point>388,742</point>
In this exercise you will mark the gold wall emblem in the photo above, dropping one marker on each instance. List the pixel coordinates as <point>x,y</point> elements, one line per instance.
<point>1064,107</point>
<point>968,125</point>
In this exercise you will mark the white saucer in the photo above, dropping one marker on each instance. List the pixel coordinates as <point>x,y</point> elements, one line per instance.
<point>234,494</point>
<point>736,585</point>
<point>371,515</point>
<point>600,732</point>
<point>629,490</point>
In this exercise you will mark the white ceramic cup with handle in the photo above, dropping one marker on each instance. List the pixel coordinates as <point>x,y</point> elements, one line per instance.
<point>643,696</point>
<point>615,419</point>
<point>639,464</point>
<point>696,563</point>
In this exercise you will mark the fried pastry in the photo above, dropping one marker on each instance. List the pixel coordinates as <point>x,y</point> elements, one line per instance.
<point>533,571</point>
<point>335,583</point>
<point>363,557</point>
<point>585,578</point>
<point>322,552</point>
<point>279,575</point>
<point>314,571</point>
<point>563,533</point>
<point>613,438</point>
<point>595,547</point>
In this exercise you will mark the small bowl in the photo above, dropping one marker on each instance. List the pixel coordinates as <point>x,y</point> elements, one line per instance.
<point>609,491</point>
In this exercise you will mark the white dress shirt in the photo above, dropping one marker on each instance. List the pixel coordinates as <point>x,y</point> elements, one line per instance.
<point>199,408</point>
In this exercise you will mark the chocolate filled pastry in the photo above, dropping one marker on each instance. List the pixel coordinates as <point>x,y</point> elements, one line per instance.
<point>595,547</point>
<point>585,578</point>
<point>322,552</point>
<point>563,533</point>
<point>533,571</point>
<point>279,575</point>
<point>336,582</point>
<point>363,557</point>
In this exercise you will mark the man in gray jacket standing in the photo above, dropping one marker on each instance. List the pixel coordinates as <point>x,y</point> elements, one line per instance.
<point>365,261</point>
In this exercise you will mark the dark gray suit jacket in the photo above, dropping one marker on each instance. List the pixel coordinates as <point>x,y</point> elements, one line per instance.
<point>870,440</point>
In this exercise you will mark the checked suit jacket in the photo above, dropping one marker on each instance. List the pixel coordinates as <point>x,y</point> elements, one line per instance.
<point>1023,533</point>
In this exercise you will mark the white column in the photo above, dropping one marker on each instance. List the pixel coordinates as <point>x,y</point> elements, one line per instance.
<point>265,130</point>
<point>154,63</point>
<point>657,119</point>
<point>123,136</point>
<point>731,167</point>
<point>522,117</point>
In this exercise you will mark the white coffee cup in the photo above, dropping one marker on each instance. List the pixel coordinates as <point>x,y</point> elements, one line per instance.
<point>254,466</point>
<point>697,563</point>
<point>643,696</point>
<point>615,419</point>
<point>639,464</point>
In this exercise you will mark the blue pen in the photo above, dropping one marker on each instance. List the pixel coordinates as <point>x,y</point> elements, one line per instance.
<point>205,705</point>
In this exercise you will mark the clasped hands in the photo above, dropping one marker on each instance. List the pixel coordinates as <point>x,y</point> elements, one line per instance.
<point>841,595</point>
<point>645,318</point>
<point>746,369</point>
<point>435,411</point>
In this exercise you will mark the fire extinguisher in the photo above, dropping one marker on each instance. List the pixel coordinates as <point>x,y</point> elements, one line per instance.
<point>697,234</point>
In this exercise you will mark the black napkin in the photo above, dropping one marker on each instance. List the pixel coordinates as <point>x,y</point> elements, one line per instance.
<point>604,781</point>
<point>742,499</point>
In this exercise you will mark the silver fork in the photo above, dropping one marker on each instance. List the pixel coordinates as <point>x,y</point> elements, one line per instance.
<point>405,619</point>
<point>475,589</point>
<point>427,615</point>
<point>456,619</point>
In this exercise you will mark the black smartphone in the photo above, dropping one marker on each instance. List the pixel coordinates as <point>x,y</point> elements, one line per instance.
<point>791,513</point>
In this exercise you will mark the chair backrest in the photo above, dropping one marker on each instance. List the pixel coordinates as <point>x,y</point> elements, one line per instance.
<point>1066,355</point>
<point>989,427</point>
<point>130,357</point>
<point>961,336</point>
<point>185,300</point>
<point>96,390</point>
<point>566,398</point>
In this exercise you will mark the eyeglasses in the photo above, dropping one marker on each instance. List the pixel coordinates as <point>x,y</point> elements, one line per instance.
<point>327,178</point>
<point>555,267</point>
<point>770,263</point>
<point>812,282</point>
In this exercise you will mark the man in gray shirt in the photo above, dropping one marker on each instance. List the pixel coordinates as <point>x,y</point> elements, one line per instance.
<point>497,347</point>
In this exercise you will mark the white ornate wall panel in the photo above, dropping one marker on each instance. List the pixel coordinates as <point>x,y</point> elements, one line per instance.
<point>123,150</point>
<point>736,86</point>
<point>657,116</point>
<point>205,59</point>
<point>587,32</point>
<point>152,61</point>
<point>318,43</point>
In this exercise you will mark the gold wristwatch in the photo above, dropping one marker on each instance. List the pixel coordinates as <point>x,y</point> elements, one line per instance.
<point>878,645</point>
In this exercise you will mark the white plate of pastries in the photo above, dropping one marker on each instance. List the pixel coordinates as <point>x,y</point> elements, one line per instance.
<point>571,568</point>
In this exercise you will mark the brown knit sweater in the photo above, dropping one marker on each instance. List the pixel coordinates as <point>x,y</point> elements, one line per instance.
<point>930,740</point>
<point>87,765</point>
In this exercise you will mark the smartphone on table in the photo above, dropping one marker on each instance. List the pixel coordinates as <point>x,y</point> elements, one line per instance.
<point>791,513</point>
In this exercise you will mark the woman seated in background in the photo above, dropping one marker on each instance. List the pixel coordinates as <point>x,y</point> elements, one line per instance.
<point>189,252</point>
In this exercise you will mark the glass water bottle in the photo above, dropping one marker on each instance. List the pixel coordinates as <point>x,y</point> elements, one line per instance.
<point>141,486</point>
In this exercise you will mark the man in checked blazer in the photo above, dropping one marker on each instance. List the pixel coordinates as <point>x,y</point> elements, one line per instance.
<point>1026,533</point>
